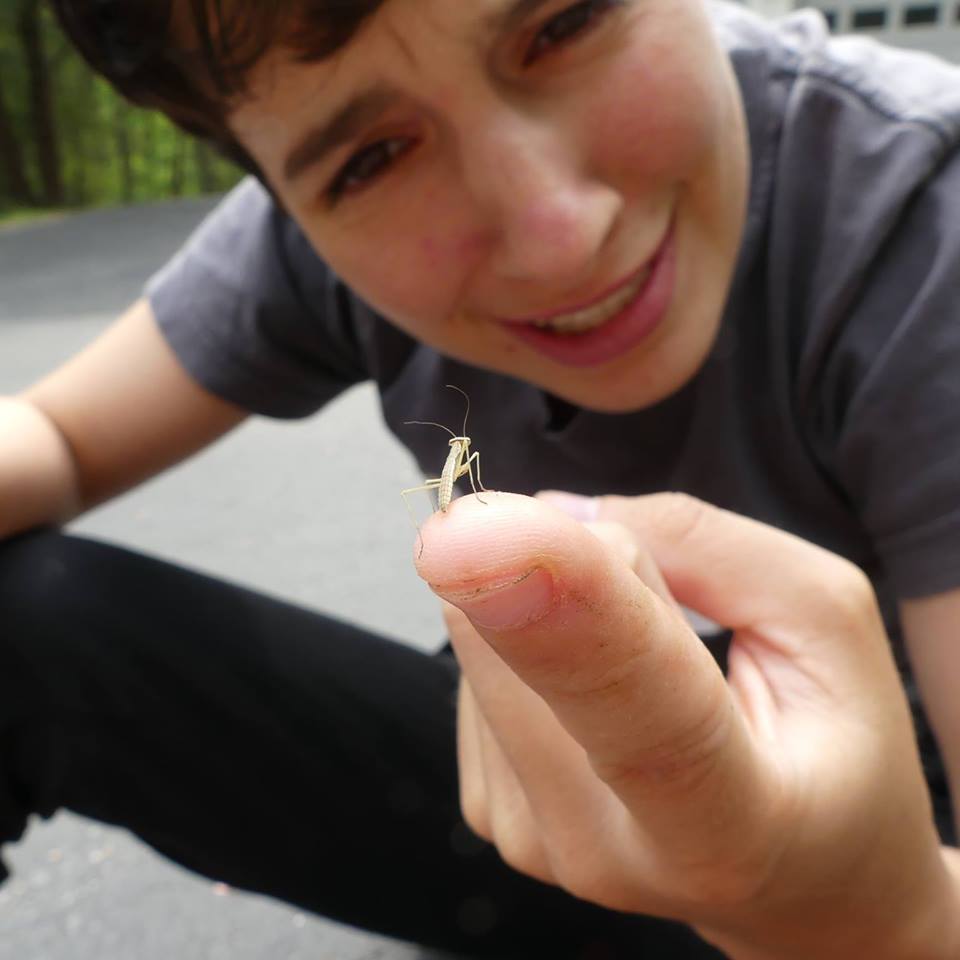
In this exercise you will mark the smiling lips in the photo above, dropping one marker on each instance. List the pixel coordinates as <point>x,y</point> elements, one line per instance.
<point>606,329</point>
<point>579,321</point>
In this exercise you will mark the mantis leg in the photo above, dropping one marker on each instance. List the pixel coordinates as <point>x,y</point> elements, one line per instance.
<point>433,484</point>
<point>429,485</point>
<point>466,469</point>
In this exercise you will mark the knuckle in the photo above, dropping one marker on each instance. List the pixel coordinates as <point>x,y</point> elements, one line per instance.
<point>519,846</point>
<point>588,877</point>
<point>684,759</point>
<point>680,514</point>
<point>579,881</point>
<point>738,872</point>
<point>473,807</point>
<point>716,887</point>
<point>607,681</point>
<point>691,886</point>
<point>849,597</point>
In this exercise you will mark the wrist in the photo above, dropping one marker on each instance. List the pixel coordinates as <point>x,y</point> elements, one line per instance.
<point>951,861</point>
<point>926,928</point>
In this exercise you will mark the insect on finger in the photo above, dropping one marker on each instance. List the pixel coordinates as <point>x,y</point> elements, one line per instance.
<point>459,462</point>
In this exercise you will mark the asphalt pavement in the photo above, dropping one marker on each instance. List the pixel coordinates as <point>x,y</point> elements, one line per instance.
<point>275,506</point>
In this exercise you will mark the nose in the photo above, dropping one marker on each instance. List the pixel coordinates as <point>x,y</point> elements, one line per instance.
<point>548,219</point>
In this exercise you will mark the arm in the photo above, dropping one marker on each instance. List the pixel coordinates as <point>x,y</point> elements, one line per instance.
<point>119,412</point>
<point>931,628</point>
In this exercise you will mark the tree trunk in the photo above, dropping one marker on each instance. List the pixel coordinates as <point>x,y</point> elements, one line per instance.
<point>121,131</point>
<point>178,167</point>
<point>147,151</point>
<point>11,159</point>
<point>41,102</point>
<point>77,141</point>
<point>204,160</point>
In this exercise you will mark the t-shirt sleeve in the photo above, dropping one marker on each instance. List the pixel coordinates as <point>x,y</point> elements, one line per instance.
<point>254,315</point>
<point>891,393</point>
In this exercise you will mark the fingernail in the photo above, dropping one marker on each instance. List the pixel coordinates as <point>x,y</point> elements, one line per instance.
<point>584,509</point>
<point>508,606</point>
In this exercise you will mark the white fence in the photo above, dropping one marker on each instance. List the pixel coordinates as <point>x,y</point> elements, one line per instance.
<point>932,25</point>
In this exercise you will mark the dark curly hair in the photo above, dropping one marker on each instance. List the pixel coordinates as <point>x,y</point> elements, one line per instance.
<point>190,58</point>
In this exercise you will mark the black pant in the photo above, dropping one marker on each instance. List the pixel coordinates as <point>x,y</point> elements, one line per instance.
<point>268,747</point>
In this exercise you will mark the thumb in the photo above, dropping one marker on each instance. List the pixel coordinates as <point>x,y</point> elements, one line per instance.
<point>618,666</point>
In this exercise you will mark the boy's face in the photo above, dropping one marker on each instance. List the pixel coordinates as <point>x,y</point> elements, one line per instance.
<point>551,189</point>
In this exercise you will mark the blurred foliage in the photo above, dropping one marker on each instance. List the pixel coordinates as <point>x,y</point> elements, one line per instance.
<point>67,140</point>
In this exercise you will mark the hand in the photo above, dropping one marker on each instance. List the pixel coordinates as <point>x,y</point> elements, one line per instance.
<point>781,811</point>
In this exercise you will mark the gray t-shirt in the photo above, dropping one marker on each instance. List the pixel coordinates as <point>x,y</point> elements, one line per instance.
<point>830,404</point>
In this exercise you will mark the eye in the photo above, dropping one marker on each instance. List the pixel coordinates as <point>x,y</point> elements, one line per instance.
<point>366,165</point>
<point>568,26</point>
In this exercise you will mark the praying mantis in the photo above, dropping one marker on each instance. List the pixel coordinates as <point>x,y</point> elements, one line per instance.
<point>459,462</point>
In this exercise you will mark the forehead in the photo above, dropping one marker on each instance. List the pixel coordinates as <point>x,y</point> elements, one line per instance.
<point>414,32</point>
<point>327,32</point>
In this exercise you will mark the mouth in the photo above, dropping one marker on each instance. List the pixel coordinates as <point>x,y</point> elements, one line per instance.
<point>589,318</point>
<point>612,324</point>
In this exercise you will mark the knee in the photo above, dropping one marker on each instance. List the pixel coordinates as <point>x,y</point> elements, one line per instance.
<point>54,619</point>
<point>43,576</point>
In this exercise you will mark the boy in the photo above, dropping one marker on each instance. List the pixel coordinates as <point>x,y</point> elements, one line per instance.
<point>678,249</point>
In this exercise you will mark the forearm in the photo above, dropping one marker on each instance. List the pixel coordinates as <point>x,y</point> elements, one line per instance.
<point>38,483</point>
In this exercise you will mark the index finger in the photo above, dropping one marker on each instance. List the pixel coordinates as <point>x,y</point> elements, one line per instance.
<point>618,666</point>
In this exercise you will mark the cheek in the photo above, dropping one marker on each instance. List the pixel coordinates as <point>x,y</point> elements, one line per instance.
<point>454,252</point>
<point>442,231</point>
<point>658,125</point>
<point>416,272</point>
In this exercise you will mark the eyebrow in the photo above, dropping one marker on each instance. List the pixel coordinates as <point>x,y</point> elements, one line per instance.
<point>501,20</point>
<point>342,127</point>
<point>366,107</point>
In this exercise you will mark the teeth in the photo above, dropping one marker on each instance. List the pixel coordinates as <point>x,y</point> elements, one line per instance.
<point>582,320</point>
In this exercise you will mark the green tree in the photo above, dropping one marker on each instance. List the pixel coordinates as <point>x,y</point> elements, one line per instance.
<point>46,143</point>
<point>67,139</point>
